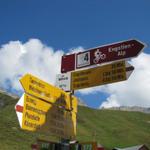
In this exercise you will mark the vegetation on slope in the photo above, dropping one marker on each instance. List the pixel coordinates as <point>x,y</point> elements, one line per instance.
<point>110,128</point>
<point>114,128</point>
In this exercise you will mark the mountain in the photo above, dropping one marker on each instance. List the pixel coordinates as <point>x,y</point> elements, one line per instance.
<point>108,127</point>
<point>2,91</point>
<point>131,108</point>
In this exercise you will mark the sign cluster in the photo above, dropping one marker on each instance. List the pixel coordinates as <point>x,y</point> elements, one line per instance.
<point>46,108</point>
<point>53,109</point>
<point>101,75</point>
<point>117,68</point>
<point>103,54</point>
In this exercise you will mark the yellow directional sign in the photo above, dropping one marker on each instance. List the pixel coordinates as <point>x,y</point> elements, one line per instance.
<point>38,88</point>
<point>110,73</point>
<point>39,115</point>
<point>34,113</point>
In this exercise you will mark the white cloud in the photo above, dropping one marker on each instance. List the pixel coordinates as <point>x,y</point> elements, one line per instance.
<point>134,91</point>
<point>17,59</point>
<point>76,50</point>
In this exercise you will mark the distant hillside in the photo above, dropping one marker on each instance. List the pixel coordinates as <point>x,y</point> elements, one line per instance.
<point>2,91</point>
<point>132,108</point>
<point>110,128</point>
<point>6,98</point>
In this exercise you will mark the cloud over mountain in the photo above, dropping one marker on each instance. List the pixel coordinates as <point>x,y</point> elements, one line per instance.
<point>17,59</point>
<point>32,57</point>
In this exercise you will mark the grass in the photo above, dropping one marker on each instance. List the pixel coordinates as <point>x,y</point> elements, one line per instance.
<point>107,127</point>
<point>114,128</point>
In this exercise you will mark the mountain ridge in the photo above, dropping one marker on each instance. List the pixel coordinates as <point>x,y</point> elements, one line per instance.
<point>130,108</point>
<point>82,103</point>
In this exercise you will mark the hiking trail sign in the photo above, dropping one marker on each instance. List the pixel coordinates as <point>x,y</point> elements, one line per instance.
<point>43,90</point>
<point>111,73</point>
<point>100,75</point>
<point>46,108</point>
<point>37,115</point>
<point>103,54</point>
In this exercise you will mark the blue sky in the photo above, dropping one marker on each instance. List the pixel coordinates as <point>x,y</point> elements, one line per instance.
<point>68,24</point>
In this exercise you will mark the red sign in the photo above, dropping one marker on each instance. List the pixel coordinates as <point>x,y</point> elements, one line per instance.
<point>68,63</point>
<point>109,53</point>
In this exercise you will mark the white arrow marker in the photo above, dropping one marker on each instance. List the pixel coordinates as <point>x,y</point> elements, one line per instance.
<point>19,109</point>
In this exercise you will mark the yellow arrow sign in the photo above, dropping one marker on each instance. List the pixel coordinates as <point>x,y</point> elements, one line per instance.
<point>41,89</point>
<point>101,75</point>
<point>39,115</point>
<point>34,113</point>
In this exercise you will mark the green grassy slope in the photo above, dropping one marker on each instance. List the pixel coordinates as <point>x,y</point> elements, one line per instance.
<point>114,128</point>
<point>108,127</point>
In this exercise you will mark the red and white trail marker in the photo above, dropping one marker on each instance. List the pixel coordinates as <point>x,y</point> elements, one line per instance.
<point>19,109</point>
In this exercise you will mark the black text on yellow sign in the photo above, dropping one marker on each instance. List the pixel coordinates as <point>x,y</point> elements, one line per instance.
<point>101,75</point>
<point>41,116</point>
<point>43,90</point>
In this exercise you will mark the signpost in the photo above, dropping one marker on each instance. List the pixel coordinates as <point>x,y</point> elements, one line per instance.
<point>34,113</point>
<point>46,108</point>
<point>106,74</point>
<point>104,54</point>
<point>101,75</point>
<point>41,89</point>
<point>38,115</point>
